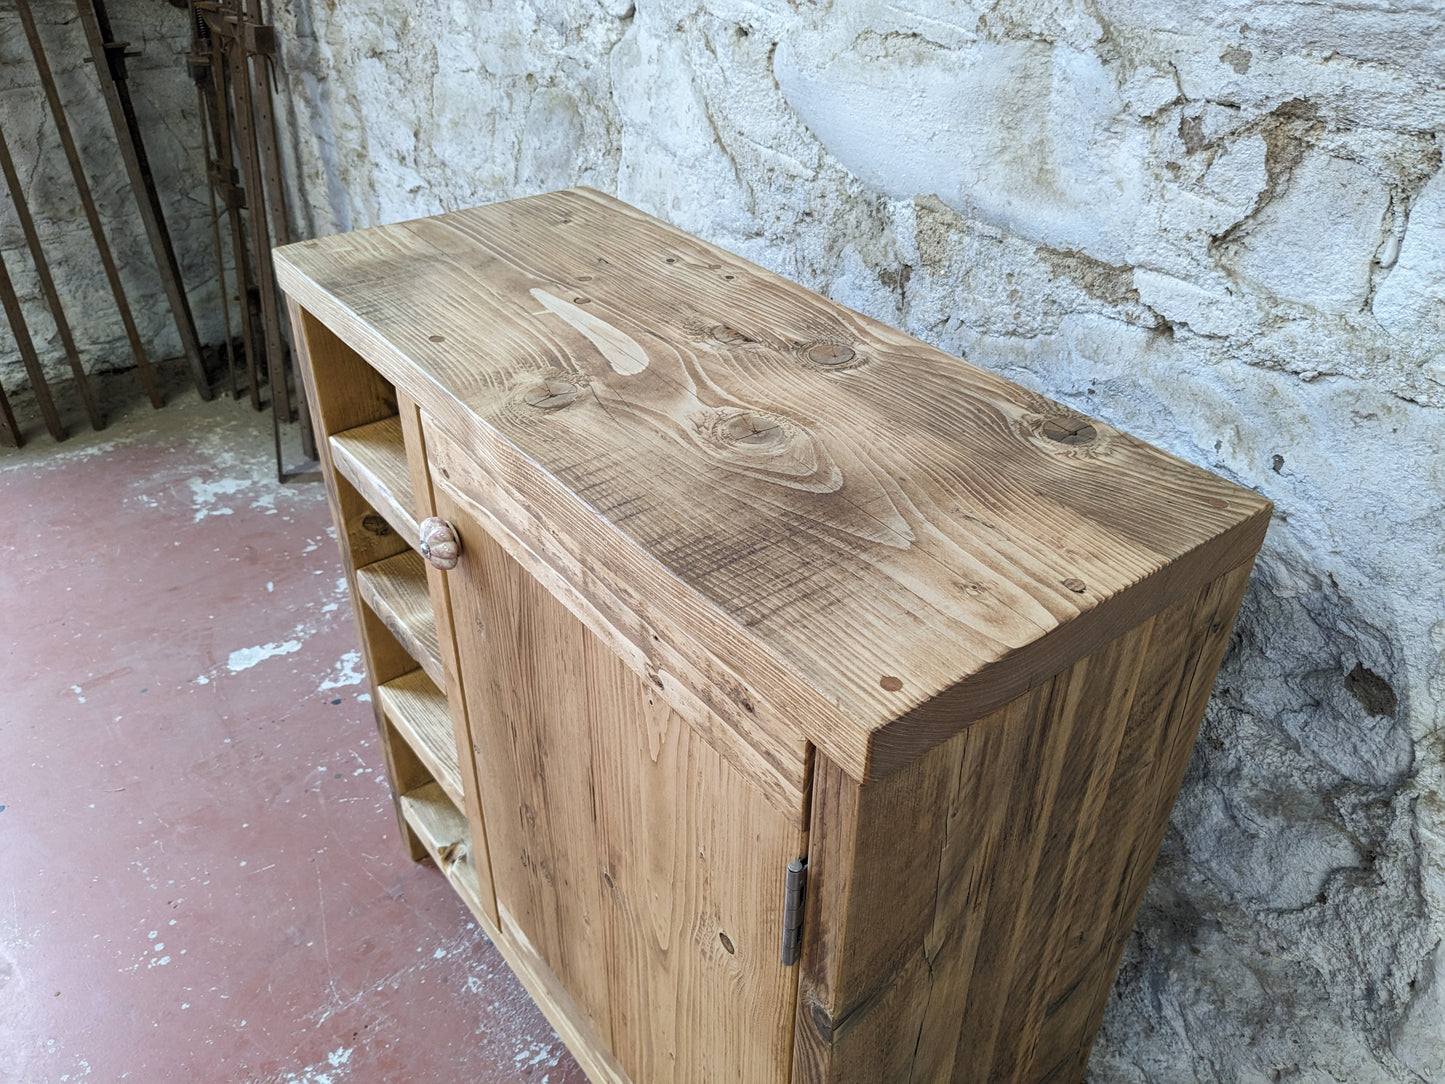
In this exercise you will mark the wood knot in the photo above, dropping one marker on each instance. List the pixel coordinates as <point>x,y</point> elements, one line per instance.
<point>1077,586</point>
<point>891,683</point>
<point>1069,431</point>
<point>374,524</point>
<point>822,1022</point>
<point>754,431</point>
<point>830,355</point>
<point>729,336</point>
<point>550,394</point>
<point>437,338</point>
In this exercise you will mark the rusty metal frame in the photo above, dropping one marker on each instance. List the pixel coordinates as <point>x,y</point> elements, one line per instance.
<point>109,57</point>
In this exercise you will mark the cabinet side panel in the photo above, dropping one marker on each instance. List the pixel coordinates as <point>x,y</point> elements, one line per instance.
<point>343,391</point>
<point>1029,839</point>
<point>1186,650</point>
<point>638,863</point>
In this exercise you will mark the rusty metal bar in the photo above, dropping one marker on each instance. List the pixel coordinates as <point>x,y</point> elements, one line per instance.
<point>198,66</point>
<point>241,86</point>
<point>87,201</point>
<point>8,428</point>
<point>16,316</point>
<point>47,284</point>
<point>226,180</point>
<point>109,57</point>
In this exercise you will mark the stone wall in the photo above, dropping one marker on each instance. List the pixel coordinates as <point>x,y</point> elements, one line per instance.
<point>165,103</point>
<point>1219,226</point>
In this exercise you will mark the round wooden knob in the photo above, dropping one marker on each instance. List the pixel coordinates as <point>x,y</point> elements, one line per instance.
<point>439,543</point>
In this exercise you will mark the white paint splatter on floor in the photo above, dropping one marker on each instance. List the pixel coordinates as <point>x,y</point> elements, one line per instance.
<point>205,495</point>
<point>248,657</point>
<point>345,673</point>
<point>335,1068</point>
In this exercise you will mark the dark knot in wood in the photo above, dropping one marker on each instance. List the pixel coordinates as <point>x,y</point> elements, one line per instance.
<point>1069,430</point>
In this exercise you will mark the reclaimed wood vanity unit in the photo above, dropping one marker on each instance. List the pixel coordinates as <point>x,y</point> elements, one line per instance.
<point>803,703</point>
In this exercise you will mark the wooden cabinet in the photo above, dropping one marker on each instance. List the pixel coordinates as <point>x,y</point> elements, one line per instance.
<point>805,704</point>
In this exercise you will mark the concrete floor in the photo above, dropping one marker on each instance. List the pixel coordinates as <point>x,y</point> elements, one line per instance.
<point>200,877</point>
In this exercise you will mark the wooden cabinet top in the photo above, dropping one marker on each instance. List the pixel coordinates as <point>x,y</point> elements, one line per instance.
<point>876,538</point>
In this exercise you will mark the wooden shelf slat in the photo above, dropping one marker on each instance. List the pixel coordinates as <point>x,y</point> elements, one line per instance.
<point>418,710</point>
<point>396,590</point>
<point>443,831</point>
<point>373,459</point>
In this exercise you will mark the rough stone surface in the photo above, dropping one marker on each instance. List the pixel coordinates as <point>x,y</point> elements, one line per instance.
<point>1219,226</point>
<point>165,104</point>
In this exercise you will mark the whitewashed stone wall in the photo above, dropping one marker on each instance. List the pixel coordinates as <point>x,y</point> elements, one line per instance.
<point>165,103</point>
<point>1220,226</point>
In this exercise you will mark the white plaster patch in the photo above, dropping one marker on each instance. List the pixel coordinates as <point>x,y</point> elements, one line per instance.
<point>248,657</point>
<point>1315,242</point>
<point>1021,133</point>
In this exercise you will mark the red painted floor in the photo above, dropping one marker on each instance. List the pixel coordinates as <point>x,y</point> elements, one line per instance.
<point>200,878</point>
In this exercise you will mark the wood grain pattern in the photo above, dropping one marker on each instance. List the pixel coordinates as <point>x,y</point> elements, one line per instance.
<point>443,830</point>
<point>373,458</point>
<point>882,537</point>
<point>642,868</point>
<point>573,1025</point>
<point>982,944</point>
<point>418,709</point>
<point>396,589</point>
<point>719,703</point>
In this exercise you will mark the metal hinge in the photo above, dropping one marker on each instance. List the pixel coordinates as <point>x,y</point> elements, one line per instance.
<point>793,910</point>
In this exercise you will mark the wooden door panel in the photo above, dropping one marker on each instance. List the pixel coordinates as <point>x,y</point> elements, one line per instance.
<point>635,859</point>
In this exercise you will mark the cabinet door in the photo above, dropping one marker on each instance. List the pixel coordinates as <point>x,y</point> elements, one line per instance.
<point>642,867</point>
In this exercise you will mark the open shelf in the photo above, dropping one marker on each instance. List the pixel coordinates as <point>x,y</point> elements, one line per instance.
<point>418,710</point>
<point>373,459</point>
<point>443,832</point>
<point>396,590</point>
